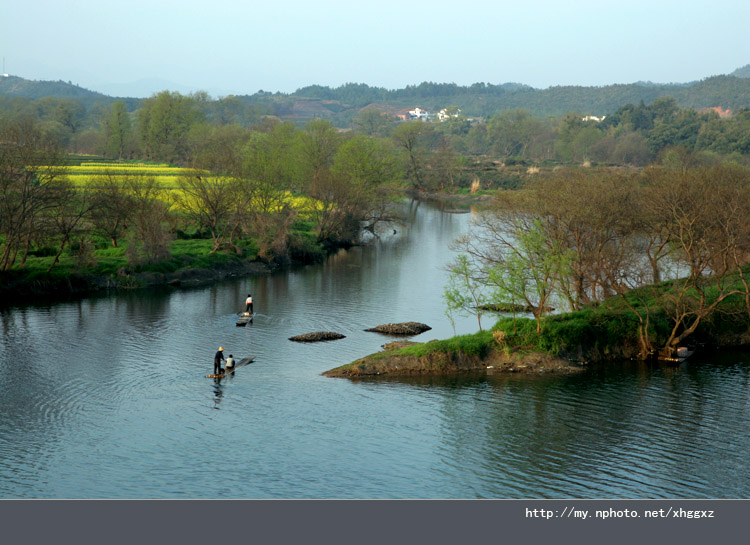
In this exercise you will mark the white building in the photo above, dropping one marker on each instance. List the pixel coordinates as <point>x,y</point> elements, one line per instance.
<point>419,113</point>
<point>443,114</point>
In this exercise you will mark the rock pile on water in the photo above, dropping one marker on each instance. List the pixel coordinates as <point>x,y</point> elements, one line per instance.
<point>404,328</point>
<point>317,336</point>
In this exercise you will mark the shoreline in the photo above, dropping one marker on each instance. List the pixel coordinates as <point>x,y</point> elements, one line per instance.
<point>18,290</point>
<point>397,360</point>
<point>22,291</point>
<point>392,361</point>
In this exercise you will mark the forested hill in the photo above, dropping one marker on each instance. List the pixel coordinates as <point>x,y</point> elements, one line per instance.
<point>15,86</point>
<point>481,99</point>
<point>341,104</point>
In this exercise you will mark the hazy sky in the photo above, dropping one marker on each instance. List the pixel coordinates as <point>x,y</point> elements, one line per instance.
<point>240,47</point>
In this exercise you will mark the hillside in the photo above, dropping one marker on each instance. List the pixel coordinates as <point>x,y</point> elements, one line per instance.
<point>15,86</point>
<point>341,104</point>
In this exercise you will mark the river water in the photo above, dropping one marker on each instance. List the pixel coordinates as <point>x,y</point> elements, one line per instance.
<point>106,398</point>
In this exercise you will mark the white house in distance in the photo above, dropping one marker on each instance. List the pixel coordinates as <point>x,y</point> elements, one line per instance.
<point>443,114</point>
<point>594,118</point>
<point>419,113</point>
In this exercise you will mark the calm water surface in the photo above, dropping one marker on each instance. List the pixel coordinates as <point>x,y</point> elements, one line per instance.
<point>106,398</point>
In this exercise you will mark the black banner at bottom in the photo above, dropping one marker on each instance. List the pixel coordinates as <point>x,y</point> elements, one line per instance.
<point>373,521</point>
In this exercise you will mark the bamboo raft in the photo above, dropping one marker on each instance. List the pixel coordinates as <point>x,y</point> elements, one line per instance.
<point>242,363</point>
<point>244,319</point>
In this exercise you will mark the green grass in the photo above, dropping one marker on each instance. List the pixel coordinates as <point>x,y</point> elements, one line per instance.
<point>186,253</point>
<point>477,344</point>
<point>565,332</point>
<point>607,327</point>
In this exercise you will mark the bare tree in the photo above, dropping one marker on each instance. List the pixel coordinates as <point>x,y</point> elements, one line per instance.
<point>705,216</point>
<point>149,235</point>
<point>111,205</point>
<point>29,176</point>
<point>210,201</point>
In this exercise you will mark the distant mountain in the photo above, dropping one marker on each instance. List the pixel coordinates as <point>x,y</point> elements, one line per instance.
<point>15,86</point>
<point>485,100</point>
<point>341,104</point>
<point>145,88</point>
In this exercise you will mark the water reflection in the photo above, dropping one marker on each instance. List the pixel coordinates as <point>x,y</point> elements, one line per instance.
<point>218,392</point>
<point>115,387</point>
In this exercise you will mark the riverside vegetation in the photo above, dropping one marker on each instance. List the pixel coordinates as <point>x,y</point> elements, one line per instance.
<point>642,259</point>
<point>642,263</point>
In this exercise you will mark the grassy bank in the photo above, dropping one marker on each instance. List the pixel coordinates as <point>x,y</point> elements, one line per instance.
<point>101,266</point>
<point>568,341</point>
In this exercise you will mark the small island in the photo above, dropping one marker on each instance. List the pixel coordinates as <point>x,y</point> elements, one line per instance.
<point>442,358</point>
<point>568,343</point>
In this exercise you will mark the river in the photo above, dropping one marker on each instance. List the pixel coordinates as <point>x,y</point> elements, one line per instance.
<point>106,397</point>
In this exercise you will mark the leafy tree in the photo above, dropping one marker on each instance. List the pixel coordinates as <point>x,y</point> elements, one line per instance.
<point>465,292</point>
<point>217,148</point>
<point>513,131</point>
<point>444,169</point>
<point>118,130</point>
<point>366,165</point>
<point>372,122</point>
<point>680,130</point>
<point>266,176</point>
<point>517,259</point>
<point>70,113</point>
<point>164,123</point>
<point>318,144</point>
<point>411,138</point>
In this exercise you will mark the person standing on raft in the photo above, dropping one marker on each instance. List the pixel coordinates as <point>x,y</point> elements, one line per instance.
<point>217,360</point>
<point>249,304</point>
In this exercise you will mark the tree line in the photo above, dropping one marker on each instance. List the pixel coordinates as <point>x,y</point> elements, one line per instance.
<point>670,242</point>
<point>169,126</point>
<point>264,188</point>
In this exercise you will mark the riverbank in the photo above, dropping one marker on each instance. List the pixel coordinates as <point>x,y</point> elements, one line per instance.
<point>568,343</point>
<point>192,265</point>
<point>17,288</point>
<point>399,360</point>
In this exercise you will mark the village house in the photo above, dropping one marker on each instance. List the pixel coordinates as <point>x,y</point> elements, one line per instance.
<point>419,113</point>
<point>443,114</point>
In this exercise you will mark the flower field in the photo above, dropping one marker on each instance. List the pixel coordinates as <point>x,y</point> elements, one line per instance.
<point>89,174</point>
<point>167,178</point>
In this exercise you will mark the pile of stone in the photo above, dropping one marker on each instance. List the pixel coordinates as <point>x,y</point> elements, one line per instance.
<point>317,336</point>
<point>404,328</point>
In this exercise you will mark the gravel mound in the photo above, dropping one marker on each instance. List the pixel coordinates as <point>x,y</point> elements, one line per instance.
<point>404,328</point>
<point>317,336</point>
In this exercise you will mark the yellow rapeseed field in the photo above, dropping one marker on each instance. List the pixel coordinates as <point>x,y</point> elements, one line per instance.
<point>167,178</point>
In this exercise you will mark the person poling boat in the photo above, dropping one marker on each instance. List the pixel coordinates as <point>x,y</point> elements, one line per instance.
<point>249,304</point>
<point>231,366</point>
<point>217,361</point>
